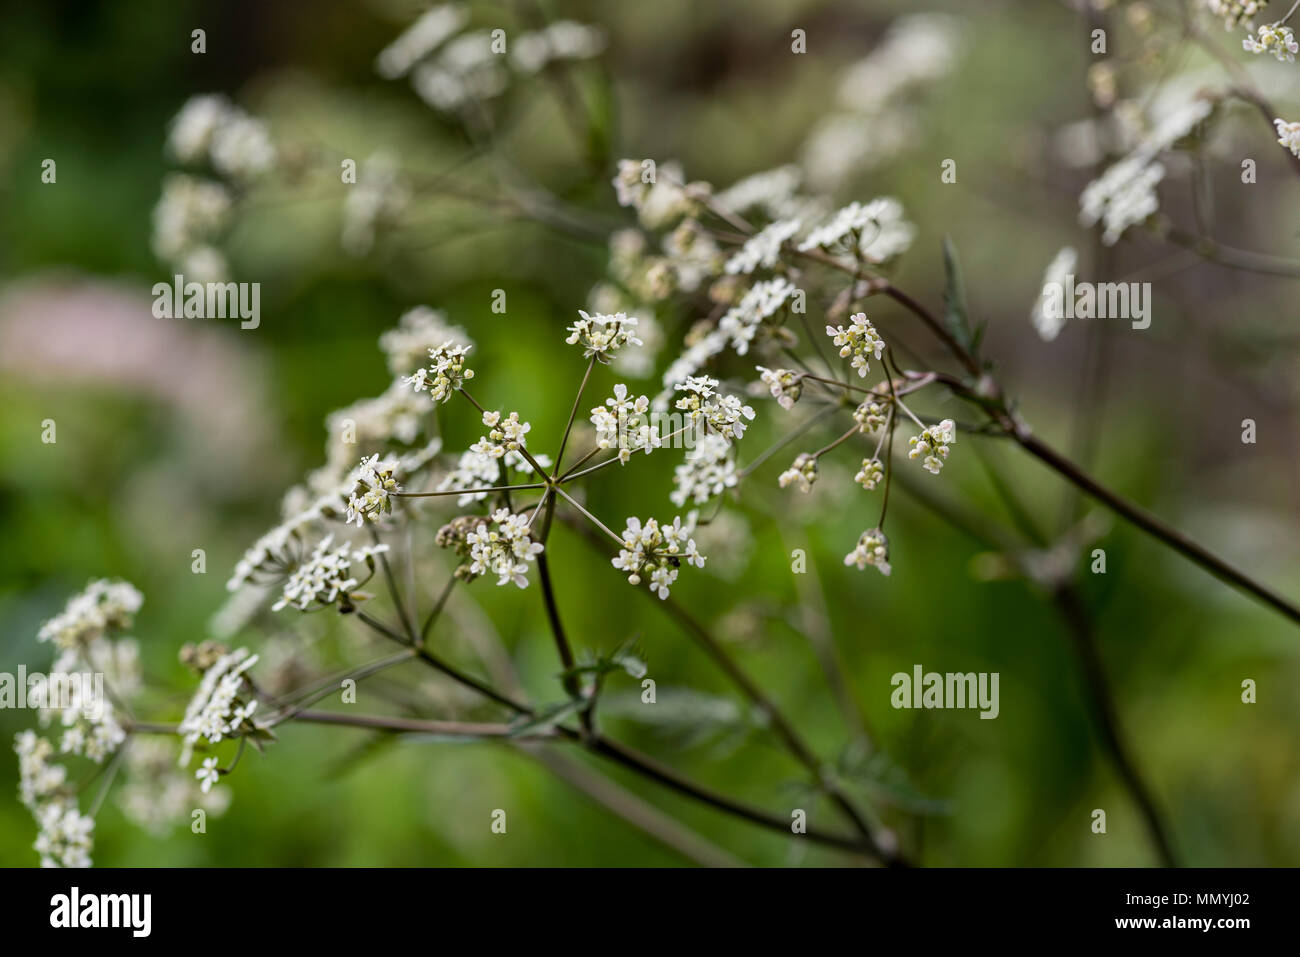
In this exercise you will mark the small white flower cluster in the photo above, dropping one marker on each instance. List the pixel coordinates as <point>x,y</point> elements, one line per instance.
<point>480,468</point>
<point>657,192</point>
<point>505,435</point>
<point>802,473</point>
<point>860,340</point>
<point>871,473</point>
<point>877,232</point>
<point>1233,12</point>
<point>933,443</point>
<point>188,217</point>
<point>771,191</point>
<point>603,336</point>
<point>446,374</point>
<point>872,549</point>
<point>372,495</point>
<point>622,424</point>
<point>690,257</point>
<point>558,40</point>
<point>83,633</point>
<point>1124,196</point>
<point>763,300</point>
<point>657,551</point>
<point>723,413</point>
<point>708,470</point>
<point>1288,135</point>
<point>90,728</point>
<point>785,385</point>
<point>418,331</point>
<point>66,835</point>
<point>1274,38</point>
<point>103,606</point>
<point>38,778</point>
<point>398,415</point>
<point>503,548</point>
<point>220,708</point>
<point>326,577</point>
<point>155,795</point>
<point>1049,326</point>
<point>763,249</point>
<point>873,413</point>
<point>420,39</point>
<point>467,70</point>
<point>469,67</point>
<point>236,144</point>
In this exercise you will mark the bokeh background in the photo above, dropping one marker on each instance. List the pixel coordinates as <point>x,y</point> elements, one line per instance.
<point>182,434</point>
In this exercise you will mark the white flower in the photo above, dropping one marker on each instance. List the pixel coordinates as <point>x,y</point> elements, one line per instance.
<point>446,374</point>
<point>877,231</point>
<point>102,607</point>
<point>1276,38</point>
<point>155,795</point>
<point>480,469</point>
<point>558,40</point>
<point>193,127</point>
<point>1234,12</point>
<point>505,435</point>
<point>1048,322</point>
<point>872,549</point>
<point>602,336</point>
<point>208,774</point>
<point>327,576</point>
<point>371,496</point>
<point>873,413</point>
<point>622,424</point>
<point>763,249</point>
<point>691,361</point>
<point>629,183</point>
<point>870,474</point>
<point>723,413</point>
<point>770,191</point>
<point>503,548</point>
<point>420,39</point>
<point>66,835</point>
<point>241,146</point>
<point>1123,196</point>
<point>785,385</point>
<point>933,443</point>
<point>90,727</point>
<point>396,416</point>
<point>418,331</point>
<point>38,778</point>
<point>707,471</point>
<point>656,193</point>
<point>219,709</point>
<point>763,300</point>
<point>658,550</point>
<point>189,213</point>
<point>1288,135</point>
<point>466,70</point>
<point>803,473</point>
<point>860,340</point>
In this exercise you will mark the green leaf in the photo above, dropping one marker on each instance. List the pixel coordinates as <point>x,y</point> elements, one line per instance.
<point>882,780</point>
<point>956,316</point>
<point>546,718</point>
